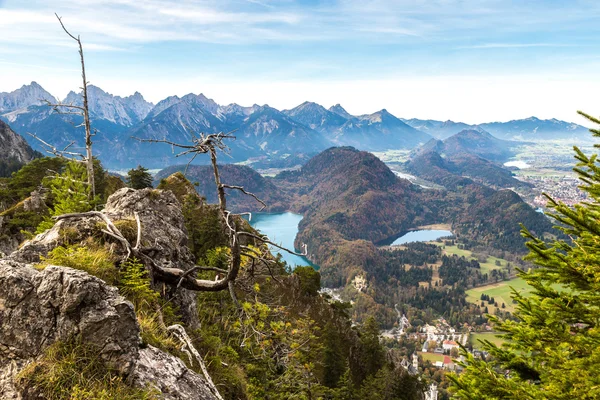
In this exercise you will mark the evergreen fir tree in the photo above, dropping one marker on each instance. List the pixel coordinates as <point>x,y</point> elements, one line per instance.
<point>553,350</point>
<point>70,193</point>
<point>139,178</point>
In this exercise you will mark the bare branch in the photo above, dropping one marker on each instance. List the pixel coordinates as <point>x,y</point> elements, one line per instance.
<point>138,242</point>
<point>179,332</point>
<point>69,155</point>
<point>56,107</point>
<point>162,141</point>
<point>262,239</point>
<point>241,189</point>
<point>65,29</point>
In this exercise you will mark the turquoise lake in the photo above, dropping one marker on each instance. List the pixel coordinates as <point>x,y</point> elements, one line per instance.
<point>281,228</point>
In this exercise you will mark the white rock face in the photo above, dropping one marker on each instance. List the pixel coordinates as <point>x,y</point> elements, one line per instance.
<point>126,111</point>
<point>27,95</point>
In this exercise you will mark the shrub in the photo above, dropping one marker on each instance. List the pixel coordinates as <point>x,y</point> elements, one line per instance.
<point>134,284</point>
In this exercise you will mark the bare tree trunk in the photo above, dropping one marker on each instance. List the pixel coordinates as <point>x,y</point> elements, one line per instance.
<point>89,159</point>
<point>88,129</point>
<point>220,188</point>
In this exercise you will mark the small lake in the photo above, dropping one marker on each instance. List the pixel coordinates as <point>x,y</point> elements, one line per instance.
<point>281,228</point>
<point>423,235</point>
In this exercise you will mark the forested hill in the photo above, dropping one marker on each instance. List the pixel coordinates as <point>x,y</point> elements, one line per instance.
<point>236,175</point>
<point>350,199</point>
<point>354,193</point>
<point>431,166</point>
<point>479,213</point>
<point>474,141</point>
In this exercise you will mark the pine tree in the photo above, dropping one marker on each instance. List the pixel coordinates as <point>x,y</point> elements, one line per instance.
<point>139,178</point>
<point>69,192</point>
<point>553,350</point>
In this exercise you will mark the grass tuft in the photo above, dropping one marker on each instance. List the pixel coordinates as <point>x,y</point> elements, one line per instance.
<point>71,370</point>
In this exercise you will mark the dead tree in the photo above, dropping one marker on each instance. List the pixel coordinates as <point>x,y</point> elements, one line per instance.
<point>179,277</point>
<point>83,111</point>
<point>203,144</point>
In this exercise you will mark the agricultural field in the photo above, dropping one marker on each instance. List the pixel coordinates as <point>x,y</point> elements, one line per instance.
<point>433,357</point>
<point>486,267</point>
<point>500,291</point>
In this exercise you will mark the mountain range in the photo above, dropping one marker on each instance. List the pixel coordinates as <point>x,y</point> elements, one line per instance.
<point>531,128</point>
<point>261,131</point>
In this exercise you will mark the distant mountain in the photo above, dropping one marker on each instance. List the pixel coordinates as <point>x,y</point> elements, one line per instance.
<point>125,111</point>
<point>316,117</point>
<point>481,143</point>
<point>522,129</point>
<point>339,110</point>
<point>239,175</point>
<point>261,131</point>
<point>378,131</point>
<point>537,129</point>
<point>13,146</point>
<point>272,131</point>
<point>20,99</point>
<point>111,116</point>
<point>474,141</point>
<point>437,129</point>
<point>372,132</point>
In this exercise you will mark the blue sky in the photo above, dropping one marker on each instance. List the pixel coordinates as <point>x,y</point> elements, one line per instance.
<point>468,60</point>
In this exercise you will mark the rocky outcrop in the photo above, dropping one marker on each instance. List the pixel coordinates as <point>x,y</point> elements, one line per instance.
<point>13,146</point>
<point>39,308</point>
<point>176,381</point>
<point>163,227</point>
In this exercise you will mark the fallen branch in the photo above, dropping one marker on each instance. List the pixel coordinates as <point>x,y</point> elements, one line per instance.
<point>179,332</point>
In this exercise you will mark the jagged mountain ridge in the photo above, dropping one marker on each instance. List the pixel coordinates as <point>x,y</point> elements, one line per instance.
<point>25,96</point>
<point>262,131</point>
<point>126,111</point>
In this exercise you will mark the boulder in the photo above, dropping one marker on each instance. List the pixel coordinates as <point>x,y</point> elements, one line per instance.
<point>39,308</point>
